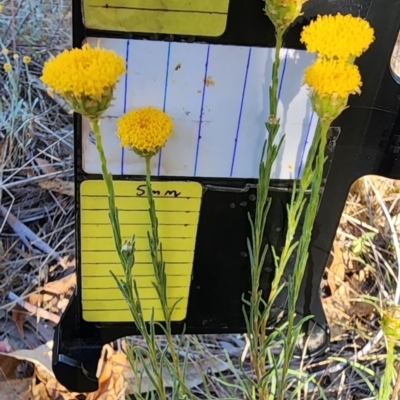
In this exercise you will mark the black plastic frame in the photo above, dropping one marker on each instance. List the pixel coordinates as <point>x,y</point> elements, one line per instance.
<point>368,144</point>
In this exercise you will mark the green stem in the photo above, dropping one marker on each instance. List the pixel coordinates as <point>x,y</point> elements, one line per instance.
<point>385,388</point>
<point>268,157</point>
<point>273,105</point>
<point>161,277</point>
<point>302,251</point>
<point>295,210</point>
<point>316,176</point>
<point>113,212</point>
<point>154,240</point>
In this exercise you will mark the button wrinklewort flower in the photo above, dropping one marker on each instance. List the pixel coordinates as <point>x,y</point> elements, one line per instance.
<point>85,77</point>
<point>283,13</point>
<point>7,67</point>
<point>391,323</point>
<point>331,83</point>
<point>338,36</point>
<point>144,130</point>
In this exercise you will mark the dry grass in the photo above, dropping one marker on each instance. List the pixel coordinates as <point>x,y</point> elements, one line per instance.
<point>36,147</point>
<point>36,158</point>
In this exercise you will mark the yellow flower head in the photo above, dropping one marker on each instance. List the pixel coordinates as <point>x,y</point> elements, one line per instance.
<point>283,13</point>
<point>7,67</point>
<point>15,56</point>
<point>391,323</point>
<point>26,59</point>
<point>331,76</point>
<point>5,51</point>
<point>144,130</point>
<point>85,77</point>
<point>331,82</point>
<point>338,36</point>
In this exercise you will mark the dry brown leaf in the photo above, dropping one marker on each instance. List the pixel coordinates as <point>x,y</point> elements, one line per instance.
<point>60,286</point>
<point>59,186</point>
<point>8,368</point>
<point>18,316</point>
<point>338,311</point>
<point>362,309</point>
<point>35,298</point>
<point>57,391</point>
<point>39,392</point>
<point>41,356</point>
<point>45,166</point>
<point>337,269</point>
<point>65,262</point>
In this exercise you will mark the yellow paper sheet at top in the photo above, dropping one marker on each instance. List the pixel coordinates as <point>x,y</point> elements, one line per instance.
<point>179,17</point>
<point>178,209</point>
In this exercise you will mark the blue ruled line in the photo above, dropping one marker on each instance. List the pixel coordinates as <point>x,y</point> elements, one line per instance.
<point>283,74</point>
<point>304,146</point>
<point>125,98</point>
<point>240,111</point>
<point>165,99</point>
<point>201,112</point>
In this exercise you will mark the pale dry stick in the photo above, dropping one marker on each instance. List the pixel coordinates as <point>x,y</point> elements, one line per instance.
<point>246,348</point>
<point>36,179</point>
<point>57,133</point>
<point>59,229</point>
<point>57,202</point>
<point>2,185</point>
<point>394,202</point>
<point>10,206</point>
<point>303,357</point>
<point>49,255</point>
<point>396,389</point>
<point>341,386</point>
<point>40,312</point>
<point>360,223</point>
<point>381,260</point>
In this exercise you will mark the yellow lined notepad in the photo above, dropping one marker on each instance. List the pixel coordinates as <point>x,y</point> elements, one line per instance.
<point>178,207</point>
<point>179,17</point>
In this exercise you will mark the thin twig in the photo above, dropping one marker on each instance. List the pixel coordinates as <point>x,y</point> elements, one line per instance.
<point>40,312</point>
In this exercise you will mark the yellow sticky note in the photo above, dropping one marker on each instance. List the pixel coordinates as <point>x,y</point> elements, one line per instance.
<point>178,208</point>
<point>178,17</point>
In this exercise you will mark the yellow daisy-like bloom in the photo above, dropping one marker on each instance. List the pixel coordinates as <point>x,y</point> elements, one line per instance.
<point>338,36</point>
<point>331,82</point>
<point>85,77</point>
<point>26,59</point>
<point>7,67</point>
<point>144,130</point>
<point>283,13</point>
<point>391,323</point>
